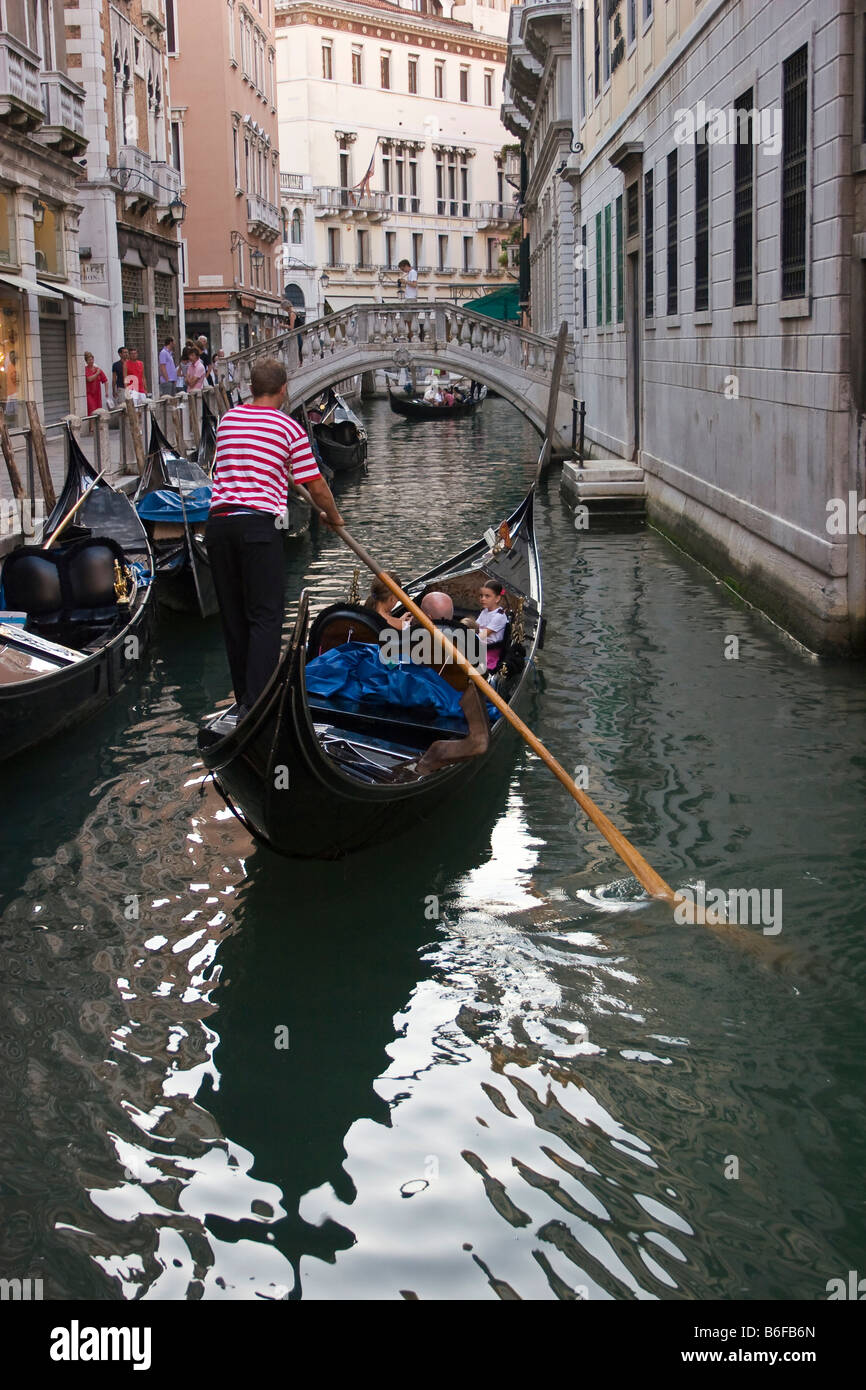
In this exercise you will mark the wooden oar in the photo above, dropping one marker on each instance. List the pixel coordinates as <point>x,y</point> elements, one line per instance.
<point>631,857</point>
<point>71,513</point>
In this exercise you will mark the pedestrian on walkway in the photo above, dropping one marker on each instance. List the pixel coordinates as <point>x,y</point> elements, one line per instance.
<point>258,449</point>
<point>195,370</point>
<point>118,376</point>
<point>167,369</point>
<point>134,379</point>
<point>95,379</point>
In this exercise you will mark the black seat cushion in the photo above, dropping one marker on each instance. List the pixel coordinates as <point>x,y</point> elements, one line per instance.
<point>341,623</point>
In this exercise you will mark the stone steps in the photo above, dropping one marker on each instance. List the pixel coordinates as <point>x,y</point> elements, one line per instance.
<point>608,487</point>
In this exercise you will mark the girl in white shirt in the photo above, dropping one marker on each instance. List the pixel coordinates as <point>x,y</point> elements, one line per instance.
<point>491,621</point>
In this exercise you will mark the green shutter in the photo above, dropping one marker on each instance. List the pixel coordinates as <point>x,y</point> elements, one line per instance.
<point>599,288</point>
<point>620,306</point>
<point>608,268</point>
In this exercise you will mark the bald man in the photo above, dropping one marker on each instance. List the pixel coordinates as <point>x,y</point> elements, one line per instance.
<point>439,608</point>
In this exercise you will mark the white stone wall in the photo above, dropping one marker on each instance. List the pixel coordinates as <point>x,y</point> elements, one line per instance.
<point>745,430</point>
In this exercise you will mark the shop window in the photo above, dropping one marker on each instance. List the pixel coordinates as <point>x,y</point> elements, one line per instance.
<point>11,384</point>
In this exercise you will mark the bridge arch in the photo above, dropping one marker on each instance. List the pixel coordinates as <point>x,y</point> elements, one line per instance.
<point>517,364</point>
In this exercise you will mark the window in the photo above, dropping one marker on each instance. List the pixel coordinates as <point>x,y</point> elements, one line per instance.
<point>363,248</point>
<point>702,224</point>
<point>8,240</point>
<point>390,250</point>
<point>417,247</point>
<point>608,298</point>
<point>647,10</point>
<point>439,79</point>
<point>386,168</point>
<point>357,71</point>
<point>464,84</point>
<point>49,243</point>
<point>744,202</point>
<point>673,262</point>
<point>464,187</point>
<point>581,59</point>
<point>605,33</point>
<point>328,60</point>
<point>413,75</point>
<point>795,79</point>
<point>333,246</point>
<point>414,200</point>
<point>488,87</point>
<point>467,253</point>
<point>584,274</point>
<point>385,71</point>
<point>620,305</point>
<point>231,8</point>
<point>297,227</point>
<point>170,28</point>
<point>599,284</point>
<point>443,252</point>
<point>237,159</point>
<point>400,170</point>
<point>596,48</point>
<point>648,262</point>
<point>177,146</point>
<point>631,21</point>
<point>492,252</point>
<point>632,196</point>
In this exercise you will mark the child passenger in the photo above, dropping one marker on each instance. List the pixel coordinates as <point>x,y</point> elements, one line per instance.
<point>491,621</point>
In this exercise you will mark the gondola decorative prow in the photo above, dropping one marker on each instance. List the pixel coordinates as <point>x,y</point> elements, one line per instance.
<point>71,513</point>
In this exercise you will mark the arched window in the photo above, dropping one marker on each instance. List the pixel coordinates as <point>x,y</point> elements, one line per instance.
<point>285,220</point>
<point>297,227</point>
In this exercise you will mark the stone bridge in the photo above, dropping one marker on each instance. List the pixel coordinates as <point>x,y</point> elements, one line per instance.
<point>517,364</point>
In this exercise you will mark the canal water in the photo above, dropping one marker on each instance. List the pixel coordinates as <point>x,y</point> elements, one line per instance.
<point>475,1063</point>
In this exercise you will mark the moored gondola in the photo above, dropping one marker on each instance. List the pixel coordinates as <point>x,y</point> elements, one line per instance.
<point>206,449</point>
<point>313,776</point>
<point>173,500</point>
<point>77,617</point>
<point>415,408</point>
<point>339,434</point>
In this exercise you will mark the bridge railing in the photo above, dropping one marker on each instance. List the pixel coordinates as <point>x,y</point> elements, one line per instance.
<point>416,331</point>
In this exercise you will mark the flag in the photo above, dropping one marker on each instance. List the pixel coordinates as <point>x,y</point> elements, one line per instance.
<point>363,187</point>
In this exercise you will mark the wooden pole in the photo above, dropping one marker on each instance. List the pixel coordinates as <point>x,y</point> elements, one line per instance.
<point>553,397</point>
<point>9,455</point>
<point>135,435</point>
<point>177,425</point>
<point>37,435</point>
<point>631,857</point>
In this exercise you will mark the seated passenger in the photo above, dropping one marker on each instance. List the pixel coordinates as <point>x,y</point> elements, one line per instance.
<point>433,395</point>
<point>440,609</point>
<point>448,397</point>
<point>491,621</point>
<point>383,602</point>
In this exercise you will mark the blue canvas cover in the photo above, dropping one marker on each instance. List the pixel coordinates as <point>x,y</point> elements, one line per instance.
<point>165,505</point>
<point>354,672</point>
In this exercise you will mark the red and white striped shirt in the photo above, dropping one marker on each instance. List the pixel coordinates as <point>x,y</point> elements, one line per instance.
<point>256,450</point>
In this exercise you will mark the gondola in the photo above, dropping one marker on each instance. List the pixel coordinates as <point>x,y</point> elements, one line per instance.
<point>173,500</point>
<point>414,408</point>
<point>206,448</point>
<point>339,434</point>
<point>312,777</point>
<point>89,612</point>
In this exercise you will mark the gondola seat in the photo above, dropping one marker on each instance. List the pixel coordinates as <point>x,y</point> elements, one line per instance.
<point>67,593</point>
<point>341,623</point>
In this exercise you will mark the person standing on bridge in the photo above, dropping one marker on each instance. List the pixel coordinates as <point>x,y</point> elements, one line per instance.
<point>410,280</point>
<point>258,449</point>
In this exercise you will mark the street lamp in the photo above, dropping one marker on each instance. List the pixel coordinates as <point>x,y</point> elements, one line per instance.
<point>177,210</point>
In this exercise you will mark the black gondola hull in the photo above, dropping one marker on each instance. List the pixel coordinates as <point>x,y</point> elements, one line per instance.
<point>423,410</point>
<point>292,796</point>
<point>342,458</point>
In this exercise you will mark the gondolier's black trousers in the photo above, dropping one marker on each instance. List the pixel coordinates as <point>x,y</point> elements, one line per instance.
<point>246,557</point>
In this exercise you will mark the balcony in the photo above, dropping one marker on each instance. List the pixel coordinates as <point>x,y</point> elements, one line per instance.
<point>135,178</point>
<point>20,94</point>
<point>292,184</point>
<point>166,184</point>
<point>351,205</point>
<point>63,104</point>
<point>498,215</point>
<point>262,217</point>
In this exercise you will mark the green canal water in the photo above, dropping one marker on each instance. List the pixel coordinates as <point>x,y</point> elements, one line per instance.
<point>508,1075</point>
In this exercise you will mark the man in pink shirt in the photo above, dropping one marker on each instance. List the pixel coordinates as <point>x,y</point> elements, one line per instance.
<point>258,449</point>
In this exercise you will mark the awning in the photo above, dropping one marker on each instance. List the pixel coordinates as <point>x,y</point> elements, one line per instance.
<point>73,292</point>
<point>30,285</point>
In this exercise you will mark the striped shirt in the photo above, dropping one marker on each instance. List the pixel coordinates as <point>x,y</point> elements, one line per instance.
<point>256,450</point>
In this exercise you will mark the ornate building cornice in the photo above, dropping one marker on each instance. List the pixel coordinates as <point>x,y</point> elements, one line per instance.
<point>452,36</point>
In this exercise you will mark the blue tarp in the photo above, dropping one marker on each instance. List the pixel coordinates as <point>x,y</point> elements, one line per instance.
<point>165,505</point>
<point>354,672</point>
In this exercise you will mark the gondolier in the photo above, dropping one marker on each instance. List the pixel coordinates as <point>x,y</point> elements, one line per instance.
<point>258,449</point>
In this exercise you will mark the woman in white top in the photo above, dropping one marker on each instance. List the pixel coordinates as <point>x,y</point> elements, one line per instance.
<point>491,621</point>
